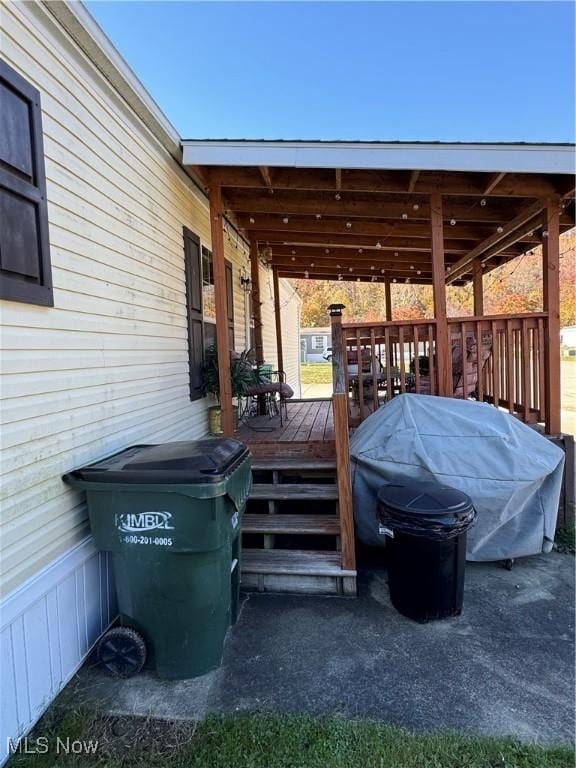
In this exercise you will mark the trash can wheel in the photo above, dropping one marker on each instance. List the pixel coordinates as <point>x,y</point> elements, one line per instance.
<point>122,652</point>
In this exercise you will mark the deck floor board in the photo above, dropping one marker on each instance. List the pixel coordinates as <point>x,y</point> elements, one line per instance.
<point>309,421</point>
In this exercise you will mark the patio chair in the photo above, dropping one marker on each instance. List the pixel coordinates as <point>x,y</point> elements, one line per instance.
<point>368,382</point>
<point>271,387</point>
<point>464,376</point>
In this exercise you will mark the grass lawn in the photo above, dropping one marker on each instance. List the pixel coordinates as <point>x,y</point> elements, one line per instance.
<point>277,741</point>
<point>316,373</point>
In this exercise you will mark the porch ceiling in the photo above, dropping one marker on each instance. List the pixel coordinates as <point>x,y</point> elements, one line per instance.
<point>369,217</point>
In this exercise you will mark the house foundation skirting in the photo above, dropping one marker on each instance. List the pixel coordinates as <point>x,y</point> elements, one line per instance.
<point>47,628</point>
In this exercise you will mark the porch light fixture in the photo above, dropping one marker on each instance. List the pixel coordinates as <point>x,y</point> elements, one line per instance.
<point>418,271</point>
<point>372,266</point>
<point>337,196</point>
<point>293,258</point>
<point>327,250</point>
<point>544,233</point>
<point>357,279</point>
<point>252,221</point>
<point>348,225</point>
<point>318,215</point>
<point>382,271</point>
<point>245,283</point>
<point>285,220</point>
<point>415,206</point>
<point>411,266</point>
<point>338,266</point>
<point>340,277</point>
<point>360,250</point>
<point>293,253</point>
<point>350,269</point>
<point>394,280</point>
<point>306,274</point>
<point>404,215</point>
<point>378,244</point>
<point>499,230</point>
<point>395,254</point>
<point>311,263</point>
<point>452,222</point>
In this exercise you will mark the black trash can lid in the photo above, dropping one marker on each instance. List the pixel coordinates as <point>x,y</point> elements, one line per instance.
<point>199,461</point>
<point>424,498</point>
<point>425,509</point>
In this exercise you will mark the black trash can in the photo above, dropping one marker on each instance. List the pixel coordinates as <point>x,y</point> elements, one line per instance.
<point>427,525</point>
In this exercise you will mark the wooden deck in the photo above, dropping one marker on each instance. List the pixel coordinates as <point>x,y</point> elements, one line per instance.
<point>308,431</point>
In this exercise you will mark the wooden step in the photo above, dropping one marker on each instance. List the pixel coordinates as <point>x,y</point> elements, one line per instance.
<point>293,562</point>
<point>294,492</point>
<point>304,464</point>
<point>295,524</point>
<point>296,571</point>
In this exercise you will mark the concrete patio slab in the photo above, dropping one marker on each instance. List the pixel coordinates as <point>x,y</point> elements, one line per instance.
<point>505,667</point>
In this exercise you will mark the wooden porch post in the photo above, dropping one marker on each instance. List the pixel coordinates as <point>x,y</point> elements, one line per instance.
<point>278,319</point>
<point>256,302</point>
<point>222,337</point>
<point>342,439</point>
<point>388,294</point>
<point>478,288</point>
<point>443,347</point>
<point>551,302</point>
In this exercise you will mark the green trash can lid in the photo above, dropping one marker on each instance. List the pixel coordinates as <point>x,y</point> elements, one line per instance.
<point>199,461</point>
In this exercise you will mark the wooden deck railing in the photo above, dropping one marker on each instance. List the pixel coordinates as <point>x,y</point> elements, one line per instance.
<point>498,359</point>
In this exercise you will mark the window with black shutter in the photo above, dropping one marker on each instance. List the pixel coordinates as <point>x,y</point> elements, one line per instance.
<point>193,266</point>
<point>24,246</point>
<point>201,306</point>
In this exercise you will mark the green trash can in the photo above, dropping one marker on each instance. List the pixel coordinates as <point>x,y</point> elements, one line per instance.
<point>170,515</point>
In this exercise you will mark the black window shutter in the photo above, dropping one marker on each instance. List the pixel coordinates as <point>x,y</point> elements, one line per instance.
<point>25,273</point>
<point>230,301</point>
<point>193,266</point>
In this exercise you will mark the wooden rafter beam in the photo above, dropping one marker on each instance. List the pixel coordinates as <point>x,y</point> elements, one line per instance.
<point>392,182</point>
<point>338,172</point>
<point>421,260</point>
<point>265,173</point>
<point>351,277</point>
<point>356,271</point>
<point>412,181</point>
<point>493,182</point>
<point>340,226</point>
<point>292,204</point>
<point>513,230</point>
<point>357,241</point>
<point>364,252</point>
<point>368,254</point>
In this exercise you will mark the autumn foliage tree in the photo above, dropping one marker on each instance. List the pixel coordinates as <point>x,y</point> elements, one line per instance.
<point>512,288</point>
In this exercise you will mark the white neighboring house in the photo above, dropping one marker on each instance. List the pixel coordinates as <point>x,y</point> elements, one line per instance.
<point>103,233</point>
<point>568,340</point>
<point>316,344</point>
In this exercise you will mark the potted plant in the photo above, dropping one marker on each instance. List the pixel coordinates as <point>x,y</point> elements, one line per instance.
<point>242,376</point>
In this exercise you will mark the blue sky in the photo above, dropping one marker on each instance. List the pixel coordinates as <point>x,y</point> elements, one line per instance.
<point>467,71</point>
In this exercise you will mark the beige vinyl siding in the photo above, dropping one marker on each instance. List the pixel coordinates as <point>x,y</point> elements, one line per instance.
<point>290,304</point>
<point>107,366</point>
<point>268,319</point>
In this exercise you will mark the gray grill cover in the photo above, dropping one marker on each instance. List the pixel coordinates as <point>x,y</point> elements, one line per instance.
<point>512,474</point>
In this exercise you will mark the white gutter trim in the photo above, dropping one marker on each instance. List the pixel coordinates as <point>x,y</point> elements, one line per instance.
<point>489,158</point>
